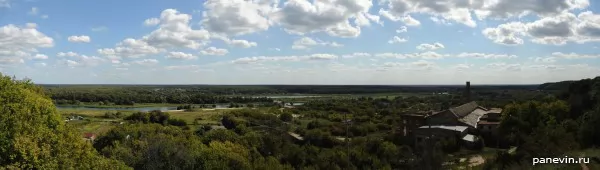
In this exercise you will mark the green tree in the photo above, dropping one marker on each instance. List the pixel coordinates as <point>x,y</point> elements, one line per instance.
<point>34,136</point>
<point>286,117</point>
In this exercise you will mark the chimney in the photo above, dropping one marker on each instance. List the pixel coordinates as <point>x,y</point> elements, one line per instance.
<point>468,92</point>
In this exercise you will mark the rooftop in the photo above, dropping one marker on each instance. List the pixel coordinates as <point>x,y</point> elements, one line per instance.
<point>453,128</point>
<point>469,138</point>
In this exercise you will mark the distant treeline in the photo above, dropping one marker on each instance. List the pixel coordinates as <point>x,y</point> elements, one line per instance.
<point>277,89</point>
<point>129,96</point>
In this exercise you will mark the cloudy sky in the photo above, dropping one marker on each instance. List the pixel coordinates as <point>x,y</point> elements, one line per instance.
<point>300,41</point>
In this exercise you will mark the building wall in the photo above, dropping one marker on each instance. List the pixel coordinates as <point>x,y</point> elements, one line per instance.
<point>443,118</point>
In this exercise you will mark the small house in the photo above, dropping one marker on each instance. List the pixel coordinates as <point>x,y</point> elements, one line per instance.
<point>89,136</point>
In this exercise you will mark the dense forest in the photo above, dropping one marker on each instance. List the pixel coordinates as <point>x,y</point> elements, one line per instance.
<point>191,94</point>
<point>348,133</point>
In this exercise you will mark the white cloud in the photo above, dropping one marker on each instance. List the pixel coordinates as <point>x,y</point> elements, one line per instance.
<point>503,66</point>
<point>40,64</point>
<point>83,61</point>
<point>31,25</point>
<point>146,62</point>
<point>397,39</point>
<point>462,67</point>
<point>18,43</point>
<point>79,39</point>
<point>182,67</point>
<point>333,17</point>
<point>545,59</point>
<point>236,17</point>
<point>402,29</point>
<point>130,48</point>
<point>574,55</point>
<point>152,22</point>
<point>44,17</point>
<point>214,51</point>
<point>180,56</point>
<point>354,55</point>
<point>40,57</point>
<point>487,56</point>
<point>433,46</point>
<point>175,32</point>
<point>251,60</point>
<point>554,30</point>
<point>240,43</point>
<point>307,43</point>
<point>70,54</point>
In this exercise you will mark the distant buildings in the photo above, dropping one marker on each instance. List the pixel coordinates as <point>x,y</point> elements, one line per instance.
<point>460,124</point>
<point>89,136</point>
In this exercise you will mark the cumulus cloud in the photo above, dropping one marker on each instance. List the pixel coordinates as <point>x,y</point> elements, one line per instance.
<point>545,59</point>
<point>182,67</point>
<point>554,30</point>
<point>433,46</point>
<point>82,61</point>
<point>239,43</point>
<point>146,62</point>
<point>69,54</point>
<point>574,55</point>
<point>402,29</point>
<point>17,43</point>
<point>307,43</point>
<point>258,59</point>
<point>503,66</point>
<point>175,32</point>
<point>130,48</point>
<point>236,17</point>
<point>333,17</point>
<point>79,39</point>
<point>214,51</point>
<point>40,57</point>
<point>396,39</point>
<point>180,56</point>
<point>152,22</point>
<point>354,55</point>
<point>462,67</point>
<point>487,56</point>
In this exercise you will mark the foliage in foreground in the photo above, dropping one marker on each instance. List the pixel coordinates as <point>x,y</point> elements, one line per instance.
<point>33,135</point>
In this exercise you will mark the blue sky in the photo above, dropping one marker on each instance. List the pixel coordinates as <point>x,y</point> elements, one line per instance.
<point>300,41</point>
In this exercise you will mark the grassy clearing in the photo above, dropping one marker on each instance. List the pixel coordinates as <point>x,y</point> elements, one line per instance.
<point>137,105</point>
<point>95,123</point>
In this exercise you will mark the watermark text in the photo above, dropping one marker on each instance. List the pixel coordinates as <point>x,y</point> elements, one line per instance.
<point>565,160</point>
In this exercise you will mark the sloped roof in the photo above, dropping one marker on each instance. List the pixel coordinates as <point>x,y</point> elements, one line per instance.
<point>473,117</point>
<point>469,138</point>
<point>465,109</point>
<point>453,128</point>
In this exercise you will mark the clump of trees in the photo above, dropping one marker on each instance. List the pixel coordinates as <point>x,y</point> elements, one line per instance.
<point>155,116</point>
<point>113,115</point>
<point>34,136</point>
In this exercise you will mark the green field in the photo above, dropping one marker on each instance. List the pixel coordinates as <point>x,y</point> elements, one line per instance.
<point>137,105</point>
<point>94,121</point>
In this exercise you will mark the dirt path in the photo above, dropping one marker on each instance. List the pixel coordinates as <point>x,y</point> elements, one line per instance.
<point>476,160</point>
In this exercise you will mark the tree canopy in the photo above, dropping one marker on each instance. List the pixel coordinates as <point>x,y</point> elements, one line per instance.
<point>33,135</point>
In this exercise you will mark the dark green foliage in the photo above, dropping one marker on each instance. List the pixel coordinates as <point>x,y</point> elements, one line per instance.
<point>176,122</point>
<point>286,117</point>
<point>113,115</point>
<point>34,136</point>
